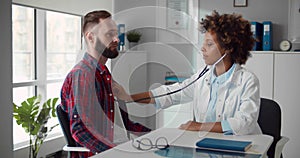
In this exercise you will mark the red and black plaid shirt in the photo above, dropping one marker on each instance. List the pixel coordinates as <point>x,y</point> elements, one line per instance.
<point>87,97</point>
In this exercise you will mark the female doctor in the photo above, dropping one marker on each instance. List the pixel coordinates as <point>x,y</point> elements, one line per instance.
<point>226,97</point>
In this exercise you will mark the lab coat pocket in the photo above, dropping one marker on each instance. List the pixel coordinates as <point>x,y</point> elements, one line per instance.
<point>231,106</point>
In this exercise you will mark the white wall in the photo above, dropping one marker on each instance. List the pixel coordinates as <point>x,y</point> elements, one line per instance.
<point>6,143</point>
<point>257,10</point>
<point>78,7</point>
<point>158,41</point>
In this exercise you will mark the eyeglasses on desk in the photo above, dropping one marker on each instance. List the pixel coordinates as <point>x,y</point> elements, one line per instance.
<point>147,144</point>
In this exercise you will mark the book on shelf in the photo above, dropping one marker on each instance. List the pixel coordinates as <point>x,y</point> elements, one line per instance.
<point>224,144</point>
<point>121,36</point>
<point>257,30</point>
<point>267,36</point>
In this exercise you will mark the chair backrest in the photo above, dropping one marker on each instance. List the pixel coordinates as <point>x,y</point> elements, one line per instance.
<point>269,121</point>
<point>63,119</point>
<point>125,116</point>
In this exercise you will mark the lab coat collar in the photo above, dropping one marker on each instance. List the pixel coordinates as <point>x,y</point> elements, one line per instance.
<point>233,79</point>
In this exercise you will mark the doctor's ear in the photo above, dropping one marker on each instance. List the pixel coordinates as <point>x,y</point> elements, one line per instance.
<point>228,51</point>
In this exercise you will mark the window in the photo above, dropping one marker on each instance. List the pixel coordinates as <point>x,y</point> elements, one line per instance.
<point>23,44</point>
<point>45,47</point>
<point>63,43</point>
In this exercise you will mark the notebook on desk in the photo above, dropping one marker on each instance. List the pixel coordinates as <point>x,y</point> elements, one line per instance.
<point>188,152</point>
<point>224,144</point>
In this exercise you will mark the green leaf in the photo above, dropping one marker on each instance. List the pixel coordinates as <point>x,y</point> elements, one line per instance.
<point>36,108</point>
<point>33,101</point>
<point>14,107</point>
<point>33,117</point>
<point>19,122</point>
<point>26,127</point>
<point>35,129</point>
<point>133,36</point>
<point>49,103</point>
<point>53,107</point>
<point>34,113</point>
<point>43,116</point>
<point>54,102</point>
<point>17,117</point>
<point>24,105</point>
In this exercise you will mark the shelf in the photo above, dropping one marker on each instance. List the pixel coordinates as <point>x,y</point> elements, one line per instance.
<point>273,52</point>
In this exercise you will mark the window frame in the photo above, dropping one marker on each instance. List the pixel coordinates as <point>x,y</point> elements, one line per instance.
<point>40,80</point>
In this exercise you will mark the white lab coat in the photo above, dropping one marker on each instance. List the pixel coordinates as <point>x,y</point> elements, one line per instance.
<point>238,99</point>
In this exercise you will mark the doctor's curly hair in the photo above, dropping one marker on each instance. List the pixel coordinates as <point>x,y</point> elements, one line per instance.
<point>233,34</point>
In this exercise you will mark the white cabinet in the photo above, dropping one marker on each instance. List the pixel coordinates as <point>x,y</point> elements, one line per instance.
<point>279,75</point>
<point>287,93</point>
<point>261,64</point>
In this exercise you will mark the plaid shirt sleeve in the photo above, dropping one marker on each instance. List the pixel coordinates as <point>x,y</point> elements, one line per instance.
<point>137,129</point>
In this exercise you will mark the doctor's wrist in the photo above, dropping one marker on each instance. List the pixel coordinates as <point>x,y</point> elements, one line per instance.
<point>129,98</point>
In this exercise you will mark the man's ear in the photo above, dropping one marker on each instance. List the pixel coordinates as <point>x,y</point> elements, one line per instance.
<point>90,37</point>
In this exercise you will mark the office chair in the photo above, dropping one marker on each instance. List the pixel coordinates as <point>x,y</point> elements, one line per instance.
<point>65,126</point>
<point>126,120</point>
<point>125,116</point>
<point>269,121</point>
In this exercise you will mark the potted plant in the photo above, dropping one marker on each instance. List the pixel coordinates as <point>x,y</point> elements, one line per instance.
<point>34,117</point>
<point>133,37</point>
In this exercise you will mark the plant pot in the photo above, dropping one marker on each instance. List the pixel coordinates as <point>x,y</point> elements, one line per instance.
<point>133,45</point>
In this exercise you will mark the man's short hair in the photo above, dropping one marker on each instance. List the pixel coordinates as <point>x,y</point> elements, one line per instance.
<point>92,18</point>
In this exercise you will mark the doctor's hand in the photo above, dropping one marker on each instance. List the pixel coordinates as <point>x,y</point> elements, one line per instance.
<point>191,126</point>
<point>197,126</point>
<point>120,92</point>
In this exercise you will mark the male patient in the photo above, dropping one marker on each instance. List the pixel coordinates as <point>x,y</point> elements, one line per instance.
<point>87,95</point>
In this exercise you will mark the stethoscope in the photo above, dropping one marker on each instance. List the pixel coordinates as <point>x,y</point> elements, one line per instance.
<point>205,69</point>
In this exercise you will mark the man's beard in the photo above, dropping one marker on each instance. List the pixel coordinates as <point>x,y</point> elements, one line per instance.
<point>111,54</point>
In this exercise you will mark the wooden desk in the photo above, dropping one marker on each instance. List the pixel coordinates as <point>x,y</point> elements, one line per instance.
<point>260,143</point>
